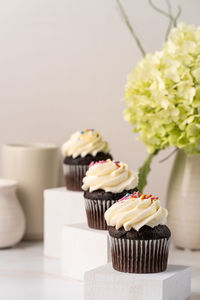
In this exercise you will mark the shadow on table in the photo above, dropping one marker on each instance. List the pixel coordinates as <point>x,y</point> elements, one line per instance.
<point>195,296</point>
<point>26,244</point>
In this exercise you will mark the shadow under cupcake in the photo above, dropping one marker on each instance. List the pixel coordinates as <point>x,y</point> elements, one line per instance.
<point>79,151</point>
<point>139,237</point>
<point>104,184</point>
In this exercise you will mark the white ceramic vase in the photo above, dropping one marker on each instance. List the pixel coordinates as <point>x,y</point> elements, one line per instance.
<point>183,201</point>
<point>12,221</point>
<point>35,167</point>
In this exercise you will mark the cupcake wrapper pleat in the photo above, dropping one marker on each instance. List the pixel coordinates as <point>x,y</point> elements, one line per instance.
<point>74,176</point>
<point>95,210</point>
<point>139,256</point>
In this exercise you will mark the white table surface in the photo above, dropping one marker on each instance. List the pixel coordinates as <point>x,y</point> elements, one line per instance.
<point>26,274</point>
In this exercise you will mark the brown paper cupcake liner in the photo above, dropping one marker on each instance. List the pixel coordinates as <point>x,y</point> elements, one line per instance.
<point>74,176</point>
<point>139,256</point>
<point>95,210</point>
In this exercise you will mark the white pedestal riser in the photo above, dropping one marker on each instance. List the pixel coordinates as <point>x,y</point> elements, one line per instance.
<point>106,283</point>
<point>83,249</point>
<point>60,207</point>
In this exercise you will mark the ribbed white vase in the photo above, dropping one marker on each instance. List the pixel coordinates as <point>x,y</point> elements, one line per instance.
<point>12,221</point>
<point>183,201</point>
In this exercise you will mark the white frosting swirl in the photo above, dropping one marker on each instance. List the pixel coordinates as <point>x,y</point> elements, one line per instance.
<point>109,176</point>
<point>134,212</point>
<point>85,142</point>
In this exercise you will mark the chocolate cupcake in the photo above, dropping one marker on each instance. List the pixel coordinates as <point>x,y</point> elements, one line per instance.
<point>79,151</point>
<point>139,237</point>
<point>104,184</point>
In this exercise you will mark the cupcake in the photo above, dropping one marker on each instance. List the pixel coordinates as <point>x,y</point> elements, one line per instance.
<point>104,184</point>
<point>79,151</point>
<point>139,236</point>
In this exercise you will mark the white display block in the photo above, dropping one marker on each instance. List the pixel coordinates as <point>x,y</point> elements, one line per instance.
<point>83,249</point>
<point>60,207</point>
<point>106,283</point>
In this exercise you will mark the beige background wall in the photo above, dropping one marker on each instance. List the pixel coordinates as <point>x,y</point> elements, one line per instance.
<point>63,67</point>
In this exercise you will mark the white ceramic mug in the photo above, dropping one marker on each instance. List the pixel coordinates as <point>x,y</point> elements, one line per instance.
<point>35,167</point>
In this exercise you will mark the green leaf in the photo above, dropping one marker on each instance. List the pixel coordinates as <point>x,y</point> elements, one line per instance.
<point>144,171</point>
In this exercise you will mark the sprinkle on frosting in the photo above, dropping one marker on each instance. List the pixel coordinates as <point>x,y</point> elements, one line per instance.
<point>97,162</point>
<point>138,195</point>
<point>110,176</point>
<point>117,163</point>
<point>136,210</point>
<point>88,141</point>
<point>91,164</point>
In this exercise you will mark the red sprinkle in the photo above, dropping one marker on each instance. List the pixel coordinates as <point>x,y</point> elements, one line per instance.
<point>138,195</point>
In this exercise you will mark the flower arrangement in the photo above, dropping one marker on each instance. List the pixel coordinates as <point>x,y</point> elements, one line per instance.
<point>162,95</point>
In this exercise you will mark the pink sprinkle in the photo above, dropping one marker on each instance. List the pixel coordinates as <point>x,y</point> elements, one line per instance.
<point>91,164</point>
<point>97,162</point>
<point>138,195</point>
<point>124,198</point>
<point>101,162</point>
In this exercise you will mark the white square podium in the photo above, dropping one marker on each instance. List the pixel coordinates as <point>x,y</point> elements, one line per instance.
<point>60,207</point>
<point>83,249</point>
<point>106,283</point>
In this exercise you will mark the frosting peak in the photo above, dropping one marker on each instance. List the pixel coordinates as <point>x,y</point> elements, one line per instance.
<point>136,210</point>
<point>85,142</point>
<point>110,176</point>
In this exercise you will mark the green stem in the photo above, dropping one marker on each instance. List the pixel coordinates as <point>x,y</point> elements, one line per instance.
<point>178,15</point>
<point>145,170</point>
<point>169,15</point>
<point>170,21</point>
<point>132,31</point>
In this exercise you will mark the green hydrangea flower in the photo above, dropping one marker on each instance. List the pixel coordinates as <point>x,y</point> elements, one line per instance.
<point>163,93</point>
